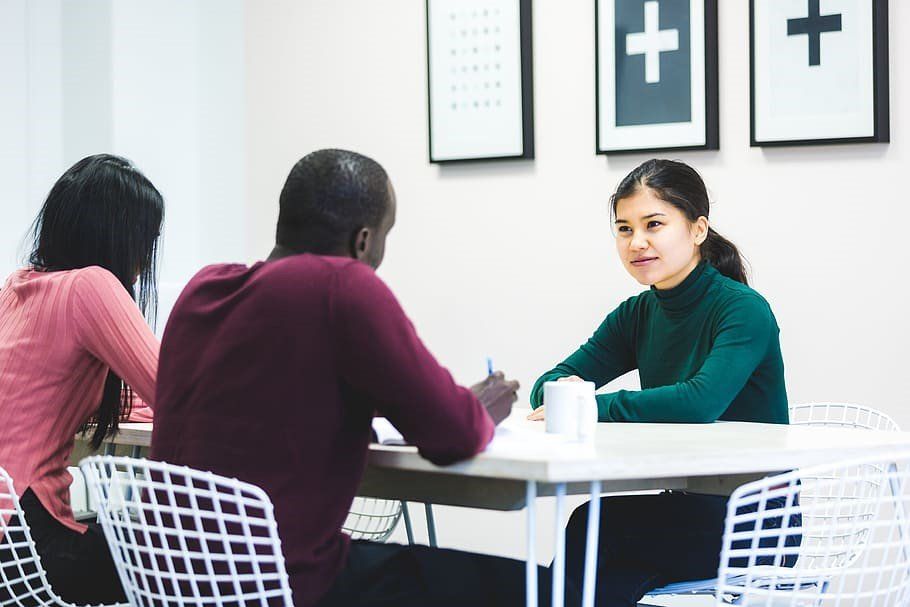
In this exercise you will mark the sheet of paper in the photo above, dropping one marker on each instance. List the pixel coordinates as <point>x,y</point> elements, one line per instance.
<point>508,441</point>
<point>522,442</point>
<point>386,433</point>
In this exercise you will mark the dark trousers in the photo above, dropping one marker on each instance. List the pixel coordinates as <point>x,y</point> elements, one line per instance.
<point>78,566</point>
<point>648,541</point>
<point>382,575</point>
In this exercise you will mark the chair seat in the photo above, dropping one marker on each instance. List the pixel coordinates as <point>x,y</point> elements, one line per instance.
<point>709,586</point>
<point>692,587</point>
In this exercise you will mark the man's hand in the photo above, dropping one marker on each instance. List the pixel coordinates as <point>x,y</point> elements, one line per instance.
<point>497,394</point>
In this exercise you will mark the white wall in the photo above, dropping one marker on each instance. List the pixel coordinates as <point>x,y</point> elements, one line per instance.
<point>178,111</point>
<point>31,142</point>
<point>160,82</point>
<point>13,126</point>
<point>515,260</point>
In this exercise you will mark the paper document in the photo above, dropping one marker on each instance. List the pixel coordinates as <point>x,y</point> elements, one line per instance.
<point>523,442</point>
<point>386,433</point>
<point>509,440</point>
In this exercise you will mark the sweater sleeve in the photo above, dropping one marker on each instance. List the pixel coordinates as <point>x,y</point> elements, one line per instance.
<point>744,330</point>
<point>605,356</point>
<point>110,327</point>
<point>380,355</point>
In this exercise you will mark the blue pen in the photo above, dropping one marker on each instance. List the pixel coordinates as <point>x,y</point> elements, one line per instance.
<point>489,366</point>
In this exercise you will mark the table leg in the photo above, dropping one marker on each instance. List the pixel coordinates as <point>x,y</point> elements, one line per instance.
<point>591,546</point>
<point>407,523</point>
<point>531,532</point>
<point>431,525</point>
<point>559,559</point>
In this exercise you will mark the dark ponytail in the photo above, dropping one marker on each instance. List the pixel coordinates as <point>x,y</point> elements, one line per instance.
<point>680,185</point>
<point>103,212</point>
<point>723,255</point>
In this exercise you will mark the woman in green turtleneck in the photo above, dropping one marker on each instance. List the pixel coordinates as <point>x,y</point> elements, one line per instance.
<point>706,348</point>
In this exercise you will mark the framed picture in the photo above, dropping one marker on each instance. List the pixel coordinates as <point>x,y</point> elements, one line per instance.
<point>479,75</point>
<point>656,75</point>
<point>819,71</point>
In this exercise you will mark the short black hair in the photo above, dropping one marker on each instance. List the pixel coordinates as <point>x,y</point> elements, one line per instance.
<point>328,195</point>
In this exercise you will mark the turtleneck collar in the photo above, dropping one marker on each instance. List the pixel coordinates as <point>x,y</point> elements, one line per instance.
<point>686,295</point>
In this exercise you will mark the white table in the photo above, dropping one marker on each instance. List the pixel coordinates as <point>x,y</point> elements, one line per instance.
<point>708,458</point>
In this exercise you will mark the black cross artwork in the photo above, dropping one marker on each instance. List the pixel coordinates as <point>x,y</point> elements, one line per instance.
<point>814,25</point>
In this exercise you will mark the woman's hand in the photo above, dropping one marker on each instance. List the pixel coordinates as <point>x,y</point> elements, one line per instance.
<point>538,415</point>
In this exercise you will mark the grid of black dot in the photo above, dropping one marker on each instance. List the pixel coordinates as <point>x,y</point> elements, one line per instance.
<point>475,59</point>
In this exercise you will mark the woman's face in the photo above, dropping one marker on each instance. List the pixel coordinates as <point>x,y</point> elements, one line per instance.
<point>656,242</point>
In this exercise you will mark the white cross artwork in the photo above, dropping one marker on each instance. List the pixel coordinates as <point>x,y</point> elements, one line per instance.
<point>652,42</point>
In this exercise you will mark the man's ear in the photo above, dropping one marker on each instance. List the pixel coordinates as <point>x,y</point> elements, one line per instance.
<point>360,243</point>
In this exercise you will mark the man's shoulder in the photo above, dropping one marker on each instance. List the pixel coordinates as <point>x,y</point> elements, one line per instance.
<point>320,273</point>
<point>287,270</point>
<point>290,278</point>
<point>307,264</point>
<point>218,270</point>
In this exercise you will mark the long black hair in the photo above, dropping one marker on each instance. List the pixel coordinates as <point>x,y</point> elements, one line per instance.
<point>104,212</point>
<point>680,185</point>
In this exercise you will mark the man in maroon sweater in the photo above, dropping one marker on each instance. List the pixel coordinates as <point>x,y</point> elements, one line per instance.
<point>272,373</point>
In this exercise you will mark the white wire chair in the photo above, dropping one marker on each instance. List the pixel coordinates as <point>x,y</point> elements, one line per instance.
<point>184,537</point>
<point>830,414</point>
<point>23,581</point>
<point>852,517</point>
<point>372,519</point>
<point>842,415</point>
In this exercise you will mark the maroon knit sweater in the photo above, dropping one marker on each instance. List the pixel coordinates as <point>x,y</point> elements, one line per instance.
<point>272,374</point>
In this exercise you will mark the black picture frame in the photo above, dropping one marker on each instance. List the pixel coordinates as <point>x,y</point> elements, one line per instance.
<point>711,136</point>
<point>526,151</point>
<point>880,87</point>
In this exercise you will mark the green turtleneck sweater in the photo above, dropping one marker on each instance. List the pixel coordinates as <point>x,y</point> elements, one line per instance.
<point>706,349</point>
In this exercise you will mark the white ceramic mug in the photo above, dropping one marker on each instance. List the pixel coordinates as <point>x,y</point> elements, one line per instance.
<point>571,409</point>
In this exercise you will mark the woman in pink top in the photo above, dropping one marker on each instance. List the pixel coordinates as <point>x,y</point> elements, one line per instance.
<point>74,349</point>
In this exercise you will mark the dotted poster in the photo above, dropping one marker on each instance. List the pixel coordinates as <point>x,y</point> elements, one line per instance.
<point>475,79</point>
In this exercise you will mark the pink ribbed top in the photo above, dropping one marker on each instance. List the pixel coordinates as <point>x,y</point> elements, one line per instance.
<point>60,333</point>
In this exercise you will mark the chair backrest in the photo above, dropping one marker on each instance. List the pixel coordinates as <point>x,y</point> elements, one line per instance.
<point>849,537</point>
<point>845,415</point>
<point>22,578</point>
<point>372,518</point>
<point>184,537</point>
<point>840,415</point>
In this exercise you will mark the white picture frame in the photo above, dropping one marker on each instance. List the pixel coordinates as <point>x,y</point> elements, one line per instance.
<point>639,107</point>
<point>479,80</point>
<point>818,72</point>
